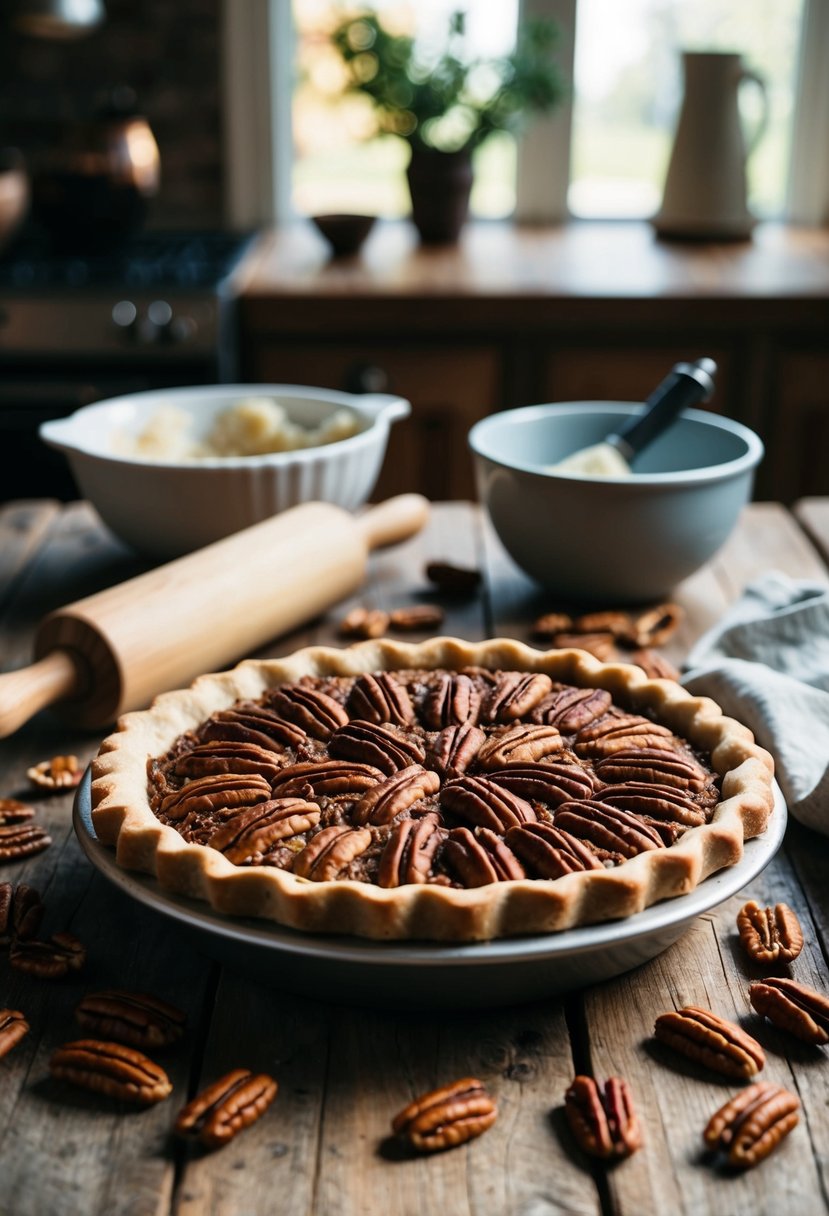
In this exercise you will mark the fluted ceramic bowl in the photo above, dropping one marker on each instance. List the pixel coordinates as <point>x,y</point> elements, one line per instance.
<point>620,539</point>
<point>165,509</point>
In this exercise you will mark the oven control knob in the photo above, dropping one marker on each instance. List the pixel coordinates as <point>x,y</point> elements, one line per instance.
<point>124,316</point>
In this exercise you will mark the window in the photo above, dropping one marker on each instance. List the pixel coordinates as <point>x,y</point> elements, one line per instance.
<point>294,150</point>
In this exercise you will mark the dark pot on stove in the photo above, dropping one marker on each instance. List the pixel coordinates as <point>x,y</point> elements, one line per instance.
<point>95,188</point>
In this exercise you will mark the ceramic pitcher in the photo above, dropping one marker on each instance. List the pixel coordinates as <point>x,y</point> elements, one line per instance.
<point>705,187</point>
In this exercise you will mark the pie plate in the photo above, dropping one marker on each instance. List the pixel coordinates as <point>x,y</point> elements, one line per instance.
<point>507,971</point>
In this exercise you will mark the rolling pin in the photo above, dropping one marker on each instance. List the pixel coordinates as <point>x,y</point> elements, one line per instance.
<point>116,650</point>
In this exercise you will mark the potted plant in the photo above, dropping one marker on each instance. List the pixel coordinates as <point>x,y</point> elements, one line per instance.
<point>447,106</point>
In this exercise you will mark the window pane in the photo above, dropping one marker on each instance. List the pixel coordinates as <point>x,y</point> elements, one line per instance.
<point>628,89</point>
<point>338,166</point>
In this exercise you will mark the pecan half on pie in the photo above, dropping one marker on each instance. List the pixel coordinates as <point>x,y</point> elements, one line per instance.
<point>444,791</point>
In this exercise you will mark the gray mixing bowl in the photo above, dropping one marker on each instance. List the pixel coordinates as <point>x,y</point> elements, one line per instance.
<point>612,539</point>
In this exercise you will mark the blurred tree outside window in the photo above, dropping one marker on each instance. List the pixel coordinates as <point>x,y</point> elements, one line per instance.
<point>627,89</point>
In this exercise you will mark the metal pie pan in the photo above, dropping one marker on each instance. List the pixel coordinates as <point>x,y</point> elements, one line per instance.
<point>507,971</point>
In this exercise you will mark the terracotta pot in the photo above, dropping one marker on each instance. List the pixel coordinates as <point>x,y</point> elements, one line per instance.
<point>439,184</point>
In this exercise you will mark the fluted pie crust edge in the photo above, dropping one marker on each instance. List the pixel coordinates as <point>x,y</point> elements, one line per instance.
<point>123,818</point>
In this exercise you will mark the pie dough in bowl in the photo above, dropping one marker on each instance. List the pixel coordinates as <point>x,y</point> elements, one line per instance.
<point>444,791</point>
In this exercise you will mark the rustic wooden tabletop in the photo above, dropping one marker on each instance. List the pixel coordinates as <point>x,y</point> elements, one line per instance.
<point>344,1071</point>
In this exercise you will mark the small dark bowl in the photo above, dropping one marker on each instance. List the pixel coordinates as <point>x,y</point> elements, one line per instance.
<point>344,233</point>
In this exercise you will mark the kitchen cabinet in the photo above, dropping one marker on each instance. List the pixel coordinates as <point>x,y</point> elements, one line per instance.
<point>513,316</point>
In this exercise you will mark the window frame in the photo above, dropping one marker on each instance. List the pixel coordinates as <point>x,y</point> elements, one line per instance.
<point>258,51</point>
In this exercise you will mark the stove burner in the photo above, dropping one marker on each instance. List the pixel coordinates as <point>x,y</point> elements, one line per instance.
<point>148,260</point>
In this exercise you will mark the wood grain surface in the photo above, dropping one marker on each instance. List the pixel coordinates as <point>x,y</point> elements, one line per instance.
<point>344,1070</point>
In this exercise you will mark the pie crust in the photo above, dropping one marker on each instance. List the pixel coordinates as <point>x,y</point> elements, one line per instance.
<point>123,816</point>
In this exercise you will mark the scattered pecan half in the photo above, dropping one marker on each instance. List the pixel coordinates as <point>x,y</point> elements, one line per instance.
<point>396,794</point>
<point>13,1027</point>
<point>48,960</point>
<point>59,773</point>
<point>480,858</point>
<point>14,811</point>
<point>604,1124</point>
<point>416,617</point>
<point>111,1069</point>
<point>654,664</point>
<point>453,750</point>
<point>546,627</point>
<point>364,623</point>
<point>381,746</point>
<point>135,1018</point>
<point>410,850</point>
<point>550,853</point>
<point>794,1007</point>
<point>655,626</point>
<point>515,694</point>
<point>601,645</point>
<point>380,698</point>
<point>712,1041</point>
<point>330,851</point>
<point>453,701</point>
<point>21,912</point>
<point>19,840</point>
<point>618,624</point>
<point>227,1107</point>
<point>751,1126</point>
<point>312,710</point>
<point>769,935</point>
<point>446,1117</point>
<point>482,803</point>
<point>453,580</point>
<point>521,744</point>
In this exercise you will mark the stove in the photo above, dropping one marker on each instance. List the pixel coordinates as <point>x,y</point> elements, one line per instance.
<point>76,326</point>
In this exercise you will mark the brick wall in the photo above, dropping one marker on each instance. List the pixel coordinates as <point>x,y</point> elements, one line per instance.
<point>168,51</point>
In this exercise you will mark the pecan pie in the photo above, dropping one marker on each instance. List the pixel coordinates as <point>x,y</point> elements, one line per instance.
<point>441,791</point>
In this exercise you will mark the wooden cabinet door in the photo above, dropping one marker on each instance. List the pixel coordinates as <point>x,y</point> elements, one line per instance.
<point>797,451</point>
<point>449,388</point>
<point>613,373</point>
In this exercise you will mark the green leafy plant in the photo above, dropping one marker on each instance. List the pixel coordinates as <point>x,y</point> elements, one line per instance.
<point>449,102</point>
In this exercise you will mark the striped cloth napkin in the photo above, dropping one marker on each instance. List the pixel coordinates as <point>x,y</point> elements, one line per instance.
<point>766,663</point>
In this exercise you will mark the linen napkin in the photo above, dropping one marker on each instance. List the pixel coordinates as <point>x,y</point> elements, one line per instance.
<point>766,663</point>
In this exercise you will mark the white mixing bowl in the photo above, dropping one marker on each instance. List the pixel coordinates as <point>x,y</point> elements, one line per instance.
<point>612,540</point>
<point>166,509</point>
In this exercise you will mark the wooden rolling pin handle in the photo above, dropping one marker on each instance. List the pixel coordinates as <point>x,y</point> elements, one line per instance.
<point>24,692</point>
<point>394,520</point>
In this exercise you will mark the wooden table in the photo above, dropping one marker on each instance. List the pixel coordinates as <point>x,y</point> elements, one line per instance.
<point>343,1072</point>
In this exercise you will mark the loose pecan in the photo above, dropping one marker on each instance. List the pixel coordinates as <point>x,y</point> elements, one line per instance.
<point>447,1116</point>
<point>249,836</point>
<point>794,1007</point>
<point>135,1018</point>
<point>111,1069</point>
<point>453,701</point>
<point>380,698</point>
<point>453,750</point>
<point>515,694</point>
<point>452,579</point>
<point>654,766</point>
<point>396,794</point>
<point>617,623</point>
<point>522,744</point>
<point>480,858</point>
<point>227,1107</point>
<point>381,746</point>
<point>601,645</point>
<point>21,911</point>
<point>48,960</point>
<point>312,710</point>
<point>711,1040</point>
<point>14,811</point>
<point>604,1124</point>
<point>59,773</point>
<point>571,709</point>
<point>769,935</point>
<point>656,626</point>
<point>364,623</point>
<point>328,853</point>
<point>607,827</point>
<point>478,801</point>
<point>410,851</point>
<point>751,1126</point>
<point>22,840</point>
<point>13,1027</point>
<point>654,801</point>
<point>206,795</point>
<point>227,756</point>
<point>326,779</point>
<point>554,782</point>
<point>550,853</point>
<point>416,617</point>
<point>654,664</point>
<point>547,626</point>
<point>249,722</point>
